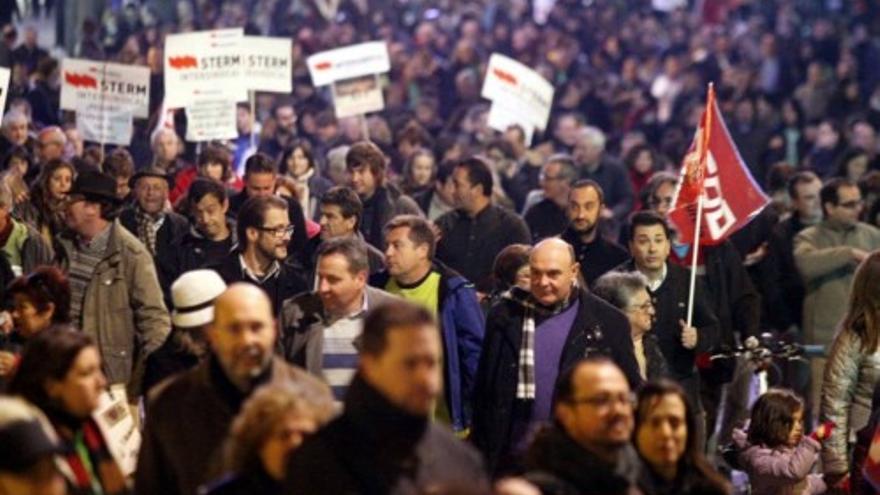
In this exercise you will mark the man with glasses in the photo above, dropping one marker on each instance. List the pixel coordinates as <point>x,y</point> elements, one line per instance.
<point>530,337</point>
<point>264,231</point>
<point>826,256</point>
<point>669,287</point>
<point>547,218</point>
<point>592,424</point>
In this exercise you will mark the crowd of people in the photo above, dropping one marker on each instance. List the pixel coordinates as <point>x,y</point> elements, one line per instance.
<point>414,302</point>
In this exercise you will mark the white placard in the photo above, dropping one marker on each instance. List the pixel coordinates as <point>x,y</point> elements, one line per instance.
<point>4,87</point>
<point>211,117</point>
<point>116,421</point>
<point>357,96</point>
<point>267,64</point>
<point>116,86</point>
<point>104,124</point>
<point>348,62</point>
<point>204,59</point>
<point>501,117</point>
<point>519,89</point>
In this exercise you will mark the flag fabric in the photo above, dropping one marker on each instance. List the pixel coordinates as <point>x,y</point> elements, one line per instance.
<point>714,169</point>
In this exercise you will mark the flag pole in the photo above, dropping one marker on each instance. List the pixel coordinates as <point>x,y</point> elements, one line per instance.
<point>703,157</point>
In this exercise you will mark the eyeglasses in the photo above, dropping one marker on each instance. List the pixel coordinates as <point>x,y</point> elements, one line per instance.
<point>643,307</point>
<point>280,231</point>
<point>603,402</point>
<point>852,205</point>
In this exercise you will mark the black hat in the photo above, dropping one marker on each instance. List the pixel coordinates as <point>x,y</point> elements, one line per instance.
<point>23,443</point>
<point>152,171</point>
<point>95,185</point>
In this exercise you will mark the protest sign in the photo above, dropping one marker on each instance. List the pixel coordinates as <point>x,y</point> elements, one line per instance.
<point>4,87</point>
<point>105,125</point>
<point>267,64</point>
<point>115,419</point>
<point>349,62</point>
<point>501,117</point>
<point>113,86</point>
<point>357,96</point>
<point>204,59</point>
<point>520,90</point>
<point>210,116</point>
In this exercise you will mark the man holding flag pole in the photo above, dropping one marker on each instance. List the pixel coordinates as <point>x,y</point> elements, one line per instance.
<point>716,196</point>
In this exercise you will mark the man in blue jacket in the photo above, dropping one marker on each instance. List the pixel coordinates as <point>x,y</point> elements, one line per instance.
<point>412,275</point>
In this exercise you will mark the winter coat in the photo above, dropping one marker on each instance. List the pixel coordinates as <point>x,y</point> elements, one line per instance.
<point>781,470</point>
<point>288,282</point>
<point>33,249</point>
<point>823,254</point>
<point>189,416</point>
<point>598,328</point>
<point>122,308</point>
<point>847,388</point>
<point>173,228</point>
<point>376,448</point>
<point>381,207</point>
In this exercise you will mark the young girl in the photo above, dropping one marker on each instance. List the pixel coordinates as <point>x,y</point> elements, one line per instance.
<point>774,452</point>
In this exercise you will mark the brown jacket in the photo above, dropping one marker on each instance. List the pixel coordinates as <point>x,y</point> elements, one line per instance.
<point>188,417</point>
<point>123,308</point>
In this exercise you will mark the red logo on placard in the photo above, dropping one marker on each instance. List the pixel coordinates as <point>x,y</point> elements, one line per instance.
<point>323,65</point>
<point>504,76</point>
<point>80,80</point>
<point>183,62</point>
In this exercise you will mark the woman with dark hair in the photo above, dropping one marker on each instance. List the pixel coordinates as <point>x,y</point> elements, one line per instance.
<point>45,210</point>
<point>215,163</point>
<point>853,164</point>
<point>16,165</point>
<point>271,425</point>
<point>60,373</point>
<point>853,369</point>
<point>418,172</point>
<point>298,163</point>
<point>664,437</point>
<point>641,163</point>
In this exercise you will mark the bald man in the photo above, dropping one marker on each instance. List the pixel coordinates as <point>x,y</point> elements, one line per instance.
<point>531,336</point>
<point>189,415</point>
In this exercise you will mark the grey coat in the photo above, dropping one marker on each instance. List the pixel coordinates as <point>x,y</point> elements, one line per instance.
<point>123,308</point>
<point>302,327</point>
<point>847,388</point>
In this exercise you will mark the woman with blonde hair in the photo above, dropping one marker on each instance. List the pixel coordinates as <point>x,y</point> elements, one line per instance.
<point>271,425</point>
<point>853,370</point>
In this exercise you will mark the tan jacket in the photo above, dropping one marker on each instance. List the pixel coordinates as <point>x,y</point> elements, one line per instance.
<point>823,255</point>
<point>123,308</point>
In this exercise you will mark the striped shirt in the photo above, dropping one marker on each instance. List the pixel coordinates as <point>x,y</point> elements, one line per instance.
<point>340,357</point>
<point>83,260</point>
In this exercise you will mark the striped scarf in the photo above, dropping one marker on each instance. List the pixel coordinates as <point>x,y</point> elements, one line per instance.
<point>148,227</point>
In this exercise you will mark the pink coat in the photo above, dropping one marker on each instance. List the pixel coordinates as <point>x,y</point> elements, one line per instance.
<point>781,470</point>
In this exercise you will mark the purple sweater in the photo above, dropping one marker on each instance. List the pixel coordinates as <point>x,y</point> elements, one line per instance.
<point>550,338</point>
<point>782,470</point>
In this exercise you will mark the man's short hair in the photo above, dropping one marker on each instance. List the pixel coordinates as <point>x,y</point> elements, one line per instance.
<point>13,116</point>
<point>568,169</point>
<point>479,173</point>
<point>592,134</point>
<point>366,153</point>
<point>564,390</point>
<point>585,183</point>
<point>202,187</point>
<point>802,177</point>
<point>351,248</point>
<point>253,213</point>
<point>618,288</point>
<point>393,315</point>
<point>648,218</point>
<point>420,231</point>
<point>259,163</point>
<point>830,192</point>
<point>346,199</point>
<point>119,164</point>
<point>444,171</point>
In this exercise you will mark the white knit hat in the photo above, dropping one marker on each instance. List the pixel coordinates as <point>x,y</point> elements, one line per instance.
<point>193,295</point>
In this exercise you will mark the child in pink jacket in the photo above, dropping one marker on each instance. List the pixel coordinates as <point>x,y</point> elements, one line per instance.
<point>774,452</point>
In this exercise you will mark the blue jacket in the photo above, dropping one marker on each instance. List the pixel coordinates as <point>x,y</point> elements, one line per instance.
<point>462,326</point>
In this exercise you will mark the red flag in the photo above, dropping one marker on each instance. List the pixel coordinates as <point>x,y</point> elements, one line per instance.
<point>714,169</point>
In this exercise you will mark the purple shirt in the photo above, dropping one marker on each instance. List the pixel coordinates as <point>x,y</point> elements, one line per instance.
<point>550,338</point>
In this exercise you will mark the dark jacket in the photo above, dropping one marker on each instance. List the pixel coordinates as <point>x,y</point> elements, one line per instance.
<point>188,419</point>
<point>251,483</point>
<point>784,289</point>
<point>174,357</point>
<point>195,251</point>
<point>595,258</point>
<point>690,481</point>
<point>377,448</point>
<point>617,189</point>
<point>598,328</point>
<point>545,219</point>
<point>462,325</point>
<point>381,207</point>
<point>173,228</point>
<point>558,465</point>
<point>285,284</point>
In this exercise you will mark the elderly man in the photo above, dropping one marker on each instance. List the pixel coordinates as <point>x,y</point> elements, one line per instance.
<point>167,147</point>
<point>530,337</point>
<point>114,291</point>
<point>189,417</point>
<point>50,145</point>
<point>547,217</point>
<point>592,423</point>
<point>385,442</point>
<point>150,219</point>
<point>319,329</point>
<point>15,133</point>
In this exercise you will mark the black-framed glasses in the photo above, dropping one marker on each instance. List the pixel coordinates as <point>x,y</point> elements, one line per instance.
<point>280,231</point>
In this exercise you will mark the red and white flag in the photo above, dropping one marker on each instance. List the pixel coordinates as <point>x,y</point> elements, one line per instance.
<point>714,169</point>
